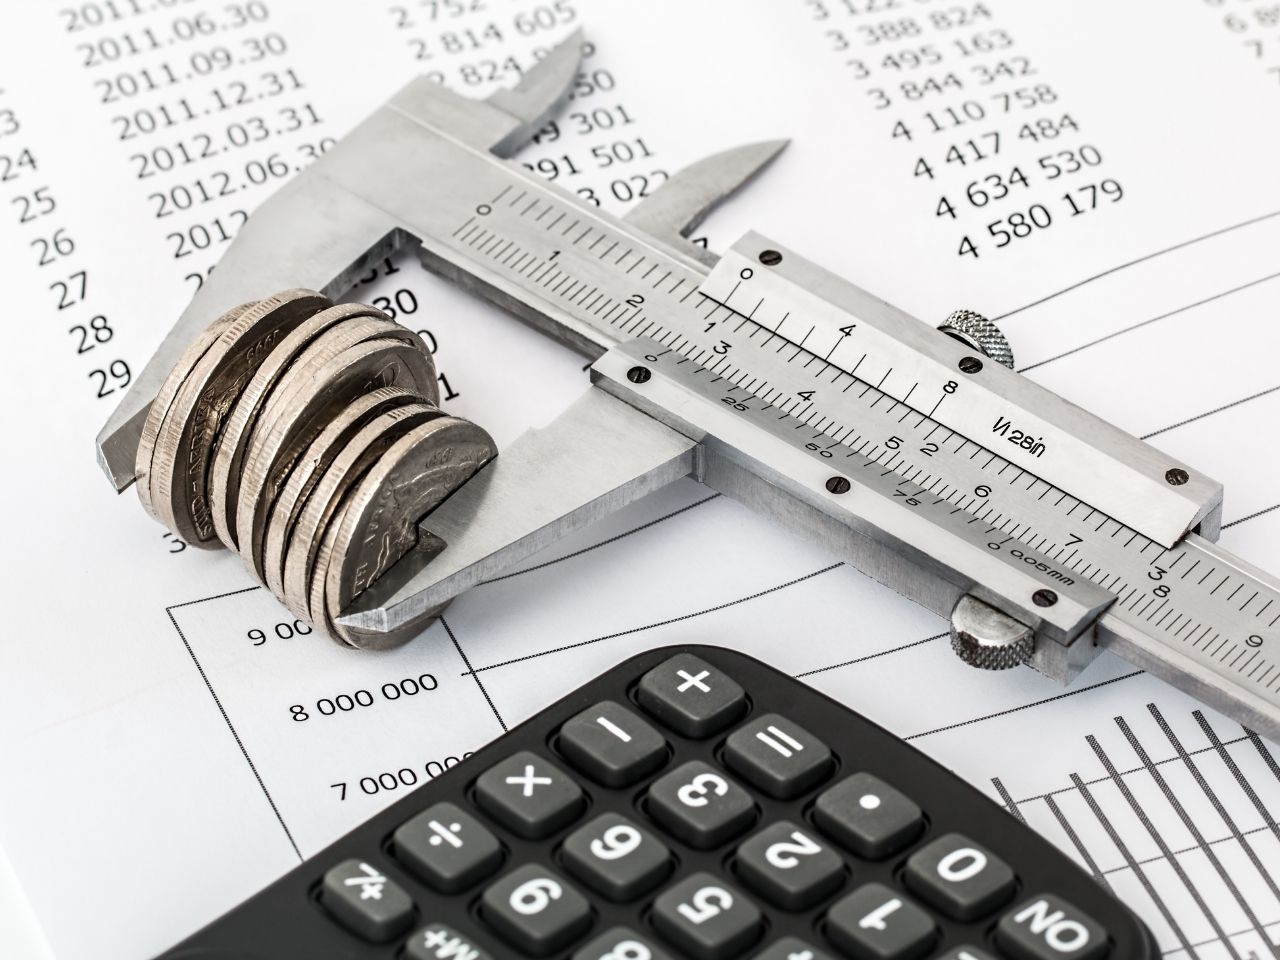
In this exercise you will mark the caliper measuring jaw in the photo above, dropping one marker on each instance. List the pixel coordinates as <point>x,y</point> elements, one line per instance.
<point>1042,532</point>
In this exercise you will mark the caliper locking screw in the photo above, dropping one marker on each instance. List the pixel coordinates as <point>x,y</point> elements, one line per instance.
<point>984,637</point>
<point>978,333</point>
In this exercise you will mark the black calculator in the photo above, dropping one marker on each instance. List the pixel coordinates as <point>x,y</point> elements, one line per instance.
<point>695,803</point>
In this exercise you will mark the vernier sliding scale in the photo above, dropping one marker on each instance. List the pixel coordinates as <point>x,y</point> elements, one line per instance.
<point>1044,534</point>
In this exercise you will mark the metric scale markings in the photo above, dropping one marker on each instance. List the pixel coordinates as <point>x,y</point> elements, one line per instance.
<point>1065,541</point>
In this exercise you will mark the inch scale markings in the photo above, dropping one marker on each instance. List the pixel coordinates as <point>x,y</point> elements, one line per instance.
<point>1068,542</point>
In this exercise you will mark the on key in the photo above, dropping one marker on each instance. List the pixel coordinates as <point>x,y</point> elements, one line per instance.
<point>1049,928</point>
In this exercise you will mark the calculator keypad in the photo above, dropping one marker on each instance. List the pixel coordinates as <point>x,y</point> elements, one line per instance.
<point>961,878</point>
<point>701,805</point>
<point>616,857</point>
<point>868,817</point>
<point>535,910</point>
<point>612,745</point>
<point>1047,927</point>
<point>690,696</point>
<point>447,848</point>
<point>365,901</point>
<point>674,817</point>
<point>789,866</point>
<point>706,917</point>
<point>966,952</point>
<point>529,795</point>
<point>621,943</point>
<point>877,923</point>
<point>439,941</point>
<point>791,948</point>
<point>778,757</point>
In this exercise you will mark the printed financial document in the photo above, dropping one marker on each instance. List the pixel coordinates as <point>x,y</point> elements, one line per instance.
<point>1100,177</point>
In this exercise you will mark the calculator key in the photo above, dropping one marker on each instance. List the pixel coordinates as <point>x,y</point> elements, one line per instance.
<point>961,878</point>
<point>705,917</point>
<point>620,943</point>
<point>437,941</point>
<point>1049,928</point>
<point>364,901</point>
<point>612,745</point>
<point>529,795</point>
<point>966,952</point>
<point>867,816</point>
<point>690,696</point>
<point>615,857</point>
<point>535,910</point>
<point>788,867</point>
<point>447,848</point>
<point>700,805</point>
<point>779,757</point>
<point>791,948</point>
<point>876,923</point>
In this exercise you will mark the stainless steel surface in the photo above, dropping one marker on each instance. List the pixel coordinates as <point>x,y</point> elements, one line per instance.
<point>597,456</point>
<point>984,637</point>
<point>857,334</point>
<point>929,466</point>
<point>379,522</point>
<point>980,334</point>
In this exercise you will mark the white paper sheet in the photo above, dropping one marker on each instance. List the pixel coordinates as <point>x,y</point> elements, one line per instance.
<point>153,774</point>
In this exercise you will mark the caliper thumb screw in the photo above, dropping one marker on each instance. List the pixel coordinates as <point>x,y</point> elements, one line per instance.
<point>978,333</point>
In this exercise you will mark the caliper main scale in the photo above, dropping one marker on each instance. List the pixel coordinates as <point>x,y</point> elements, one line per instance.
<point>1042,532</point>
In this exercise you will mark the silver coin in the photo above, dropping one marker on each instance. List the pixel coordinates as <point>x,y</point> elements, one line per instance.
<point>164,400</point>
<point>378,522</point>
<point>351,463</point>
<point>296,479</point>
<point>228,461</point>
<point>184,449</point>
<point>346,361</point>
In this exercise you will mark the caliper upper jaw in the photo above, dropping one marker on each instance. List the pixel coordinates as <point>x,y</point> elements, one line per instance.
<point>315,233</point>
<point>675,209</point>
<point>509,118</point>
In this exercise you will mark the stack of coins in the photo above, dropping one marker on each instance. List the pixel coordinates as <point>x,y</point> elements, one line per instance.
<point>306,436</point>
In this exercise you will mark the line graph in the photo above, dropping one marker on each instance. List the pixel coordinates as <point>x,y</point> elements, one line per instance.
<point>1183,829</point>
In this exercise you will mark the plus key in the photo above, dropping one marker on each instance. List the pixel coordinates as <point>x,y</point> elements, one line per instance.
<point>691,696</point>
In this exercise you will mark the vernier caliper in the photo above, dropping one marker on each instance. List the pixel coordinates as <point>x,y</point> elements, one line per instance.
<point>1044,534</point>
